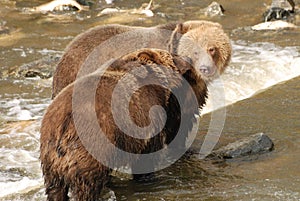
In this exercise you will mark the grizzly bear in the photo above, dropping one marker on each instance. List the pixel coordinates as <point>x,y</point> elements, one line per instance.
<point>116,40</point>
<point>69,138</point>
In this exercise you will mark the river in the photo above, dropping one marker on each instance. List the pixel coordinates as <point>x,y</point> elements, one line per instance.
<point>261,87</point>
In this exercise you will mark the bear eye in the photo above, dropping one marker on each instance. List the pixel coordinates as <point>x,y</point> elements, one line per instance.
<point>212,51</point>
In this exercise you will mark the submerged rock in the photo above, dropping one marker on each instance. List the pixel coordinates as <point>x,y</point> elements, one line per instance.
<point>42,68</point>
<point>255,144</point>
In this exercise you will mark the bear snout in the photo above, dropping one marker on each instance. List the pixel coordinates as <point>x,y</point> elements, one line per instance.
<point>207,70</point>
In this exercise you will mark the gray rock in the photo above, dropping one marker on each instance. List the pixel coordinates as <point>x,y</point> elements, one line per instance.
<point>284,4</point>
<point>255,144</point>
<point>280,10</point>
<point>42,68</point>
<point>214,9</point>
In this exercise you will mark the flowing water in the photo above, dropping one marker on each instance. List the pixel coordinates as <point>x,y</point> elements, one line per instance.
<point>261,86</point>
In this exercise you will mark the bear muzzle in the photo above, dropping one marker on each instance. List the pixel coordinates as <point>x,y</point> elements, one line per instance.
<point>208,70</point>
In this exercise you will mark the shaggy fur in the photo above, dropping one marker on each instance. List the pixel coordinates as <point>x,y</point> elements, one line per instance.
<point>197,34</point>
<point>67,165</point>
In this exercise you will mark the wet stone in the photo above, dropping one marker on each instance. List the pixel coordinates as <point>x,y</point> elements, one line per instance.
<point>280,10</point>
<point>42,68</point>
<point>37,73</point>
<point>214,9</point>
<point>276,14</point>
<point>284,4</point>
<point>253,145</point>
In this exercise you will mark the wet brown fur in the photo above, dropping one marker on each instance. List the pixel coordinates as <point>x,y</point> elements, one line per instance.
<point>67,165</point>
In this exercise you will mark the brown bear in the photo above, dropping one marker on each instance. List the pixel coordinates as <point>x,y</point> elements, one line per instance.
<point>183,39</point>
<point>68,163</point>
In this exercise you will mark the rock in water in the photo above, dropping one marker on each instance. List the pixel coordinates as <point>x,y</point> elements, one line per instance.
<point>214,9</point>
<point>284,4</point>
<point>42,68</point>
<point>276,14</point>
<point>280,10</point>
<point>255,144</point>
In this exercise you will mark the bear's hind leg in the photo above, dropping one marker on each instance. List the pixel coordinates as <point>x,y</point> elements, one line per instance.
<point>89,183</point>
<point>56,189</point>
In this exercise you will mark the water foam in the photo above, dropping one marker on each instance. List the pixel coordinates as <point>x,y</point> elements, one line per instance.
<point>255,67</point>
<point>19,109</point>
<point>22,186</point>
<point>19,151</point>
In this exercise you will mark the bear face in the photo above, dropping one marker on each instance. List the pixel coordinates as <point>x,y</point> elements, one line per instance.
<point>199,36</point>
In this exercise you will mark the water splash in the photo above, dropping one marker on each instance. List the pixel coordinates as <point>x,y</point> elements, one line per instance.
<point>255,67</point>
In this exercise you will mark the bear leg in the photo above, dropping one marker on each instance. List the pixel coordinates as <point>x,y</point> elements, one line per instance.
<point>56,189</point>
<point>88,184</point>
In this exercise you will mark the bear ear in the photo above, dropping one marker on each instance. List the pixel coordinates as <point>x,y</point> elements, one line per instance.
<point>148,55</point>
<point>145,55</point>
<point>182,28</point>
<point>183,64</point>
<point>175,37</point>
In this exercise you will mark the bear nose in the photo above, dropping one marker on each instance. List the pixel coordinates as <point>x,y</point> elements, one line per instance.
<point>206,70</point>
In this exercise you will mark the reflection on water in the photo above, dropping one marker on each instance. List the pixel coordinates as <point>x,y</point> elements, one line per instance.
<point>260,60</point>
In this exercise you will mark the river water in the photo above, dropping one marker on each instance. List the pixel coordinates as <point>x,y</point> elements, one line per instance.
<point>261,86</point>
